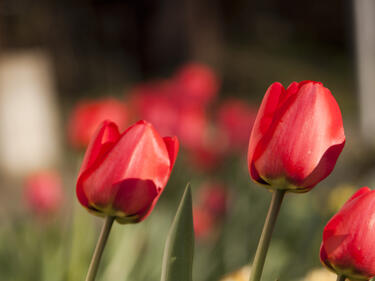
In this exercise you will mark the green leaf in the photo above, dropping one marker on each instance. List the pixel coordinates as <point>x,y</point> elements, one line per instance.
<point>179,247</point>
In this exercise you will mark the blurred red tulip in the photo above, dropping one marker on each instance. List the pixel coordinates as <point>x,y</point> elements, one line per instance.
<point>153,102</point>
<point>192,126</point>
<point>207,156</point>
<point>215,198</point>
<point>236,119</point>
<point>212,203</point>
<point>123,175</point>
<point>348,246</point>
<point>88,115</point>
<point>197,83</point>
<point>203,223</point>
<point>43,192</point>
<point>297,137</point>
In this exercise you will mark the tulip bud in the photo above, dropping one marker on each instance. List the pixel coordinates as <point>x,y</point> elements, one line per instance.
<point>296,138</point>
<point>43,192</point>
<point>88,115</point>
<point>123,175</point>
<point>348,246</point>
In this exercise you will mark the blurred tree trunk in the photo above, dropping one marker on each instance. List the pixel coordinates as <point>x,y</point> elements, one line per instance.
<point>364,15</point>
<point>204,31</point>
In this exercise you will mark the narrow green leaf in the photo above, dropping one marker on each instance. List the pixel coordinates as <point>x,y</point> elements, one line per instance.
<point>179,247</point>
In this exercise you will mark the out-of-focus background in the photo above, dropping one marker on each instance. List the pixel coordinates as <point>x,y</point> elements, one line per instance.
<point>195,69</point>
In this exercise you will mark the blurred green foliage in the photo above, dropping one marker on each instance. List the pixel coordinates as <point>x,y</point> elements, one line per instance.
<point>61,249</point>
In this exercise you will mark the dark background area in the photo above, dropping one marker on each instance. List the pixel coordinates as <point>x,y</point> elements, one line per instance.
<point>101,45</point>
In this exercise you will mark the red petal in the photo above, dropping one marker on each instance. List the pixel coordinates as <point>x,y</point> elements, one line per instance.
<point>81,195</point>
<point>134,196</point>
<point>359,193</point>
<point>172,147</point>
<point>293,88</point>
<point>104,139</point>
<point>264,117</point>
<point>323,257</point>
<point>324,168</point>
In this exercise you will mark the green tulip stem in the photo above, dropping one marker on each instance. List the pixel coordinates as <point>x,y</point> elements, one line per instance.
<point>340,278</point>
<point>94,265</point>
<point>265,238</point>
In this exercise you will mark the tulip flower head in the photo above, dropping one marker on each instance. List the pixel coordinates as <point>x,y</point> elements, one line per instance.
<point>296,138</point>
<point>123,175</point>
<point>348,246</point>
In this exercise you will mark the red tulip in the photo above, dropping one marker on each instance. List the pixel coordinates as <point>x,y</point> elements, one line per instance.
<point>43,192</point>
<point>236,119</point>
<point>123,175</point>
<point>297,137</point>
<point>197,83</point>
<point>88,115</point>
<point>348,246</point>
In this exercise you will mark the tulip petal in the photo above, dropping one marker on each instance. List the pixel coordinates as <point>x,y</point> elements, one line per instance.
<point>134,196</point>
<point>359,193</point>
<point>334,242</point>
<point>147,212</point>
<point>104,139</point>
<point>172,147</point>
<point>82,196</point>
<point>268,107</point>
<point>324,168</point>
<point>264,119</point>
<point>294,87</point>
<point>324,257</point>
<point>255,175</point>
